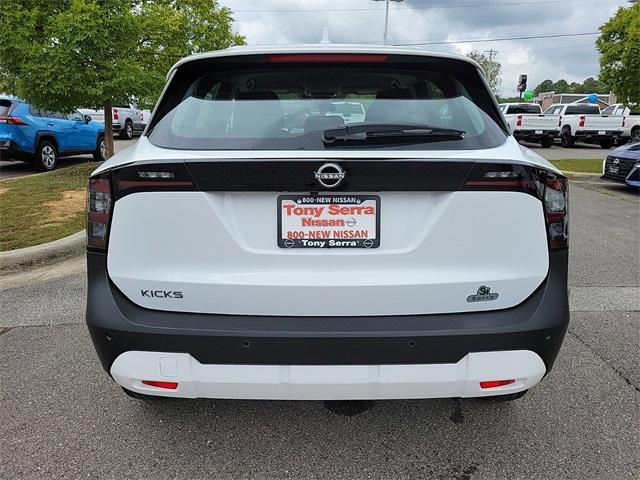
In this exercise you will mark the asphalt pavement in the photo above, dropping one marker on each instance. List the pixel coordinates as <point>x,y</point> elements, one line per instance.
<point>20,169</point>
<point>61,416</point>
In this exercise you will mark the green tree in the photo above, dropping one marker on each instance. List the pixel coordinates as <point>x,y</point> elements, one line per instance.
<point>492,69</point>
<point>619,46</point>
<point>590,85</point>
<point>66,54</point>
<point>545,86</point>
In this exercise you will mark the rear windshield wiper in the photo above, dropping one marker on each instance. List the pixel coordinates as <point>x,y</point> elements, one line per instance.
<point>389,132</point>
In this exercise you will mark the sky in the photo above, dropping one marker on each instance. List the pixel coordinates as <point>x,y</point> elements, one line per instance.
<point>419,21</point>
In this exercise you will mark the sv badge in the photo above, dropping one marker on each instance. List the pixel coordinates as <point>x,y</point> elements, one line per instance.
<point>483,295</point>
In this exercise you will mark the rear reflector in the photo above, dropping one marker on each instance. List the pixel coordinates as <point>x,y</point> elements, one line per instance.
<point>159,384</point>
<point>496,383</point>
<point>333,57</point>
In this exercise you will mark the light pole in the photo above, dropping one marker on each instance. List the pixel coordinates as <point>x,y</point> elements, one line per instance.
<point>386,17</point>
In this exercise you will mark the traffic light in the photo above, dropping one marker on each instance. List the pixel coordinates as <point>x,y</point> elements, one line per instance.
<point>522,83</point>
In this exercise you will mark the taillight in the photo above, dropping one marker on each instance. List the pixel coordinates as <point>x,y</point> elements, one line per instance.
<point>624,121</point>
<point>99,203</point>
<point>560,121</point>
<point>12,121</point>
<point>582,120</point>
<point>544,185</point>
<point>556,208</point>
<point>151,177</point>
<point>519,121</point>
<point>141,116</point>
<point>116,115</point>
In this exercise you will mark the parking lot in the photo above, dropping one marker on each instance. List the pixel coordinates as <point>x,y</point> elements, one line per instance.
<point>62,417</point>
<point>19,169</point>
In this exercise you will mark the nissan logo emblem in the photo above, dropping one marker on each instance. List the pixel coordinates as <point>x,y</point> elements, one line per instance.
<point>330,175</point>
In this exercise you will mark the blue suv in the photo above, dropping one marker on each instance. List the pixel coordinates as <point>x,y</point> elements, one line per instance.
<point>41,137</point>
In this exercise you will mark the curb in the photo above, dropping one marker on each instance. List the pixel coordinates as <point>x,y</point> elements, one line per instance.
<point>31,257</point>
<point>581,175</point>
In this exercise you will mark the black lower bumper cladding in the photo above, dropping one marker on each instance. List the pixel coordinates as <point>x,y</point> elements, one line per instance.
<point>117,325</point>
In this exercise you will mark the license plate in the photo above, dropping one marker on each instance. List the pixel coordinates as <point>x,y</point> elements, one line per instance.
<point>613,169</point>
<point>328,221</point>
<point>538,132</point>
<point>601,132</point>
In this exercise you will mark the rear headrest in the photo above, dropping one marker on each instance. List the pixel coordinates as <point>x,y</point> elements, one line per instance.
<point>394,93</point>
<point>258,95</point>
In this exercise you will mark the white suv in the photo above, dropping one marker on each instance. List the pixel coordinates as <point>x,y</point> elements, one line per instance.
<point>238,252</point>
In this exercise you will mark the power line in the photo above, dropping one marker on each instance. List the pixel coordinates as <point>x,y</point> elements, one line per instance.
<point>431,7</point>
<point>482,40</point>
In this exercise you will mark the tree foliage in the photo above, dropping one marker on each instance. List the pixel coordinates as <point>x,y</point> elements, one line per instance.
<point>65,54</point>
<point>492,69</point>
<point>619,46</point>
<point>590,85</point>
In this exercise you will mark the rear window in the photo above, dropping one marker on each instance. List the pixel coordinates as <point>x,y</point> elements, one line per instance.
<point>253,104</point>
<point>519,109</point>
<point>6,106</point>
<point>583,110</point>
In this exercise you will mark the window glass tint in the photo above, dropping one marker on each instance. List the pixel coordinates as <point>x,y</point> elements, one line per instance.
<point>609,110</point>
<point>6,106</point>
<point>290,108</point>
<point>583,110</point>
<point>519,109</point>
<point>75,116</point>
<point>49,114</point>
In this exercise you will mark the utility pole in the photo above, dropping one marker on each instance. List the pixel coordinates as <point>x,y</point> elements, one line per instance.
<point>386,18</point>
<point>492,53</point>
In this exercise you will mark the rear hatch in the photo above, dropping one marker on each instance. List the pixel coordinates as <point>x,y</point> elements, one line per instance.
<point>8,123</point>
<point>539,122</point>
<point>597,122</point>
<point>328,226</point>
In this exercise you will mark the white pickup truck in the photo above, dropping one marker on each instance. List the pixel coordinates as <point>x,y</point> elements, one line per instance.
<point>631,121</point>
<point>127,120</point>
<point>583,122</point>
<point>527,122</point>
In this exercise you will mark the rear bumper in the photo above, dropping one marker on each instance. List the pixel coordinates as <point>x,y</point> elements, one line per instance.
<point>327,382</point>
<point>118,326</point>
<point>596,136</point>
<point>531,135</point>
<point>10,150</point>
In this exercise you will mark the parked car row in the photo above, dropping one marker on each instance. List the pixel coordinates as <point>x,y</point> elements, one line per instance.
<point>572,122</point>
<point>40,136</point>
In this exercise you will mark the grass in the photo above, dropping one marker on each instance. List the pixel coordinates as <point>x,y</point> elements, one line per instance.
<point>580,166</point>
<point>41,208</point>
